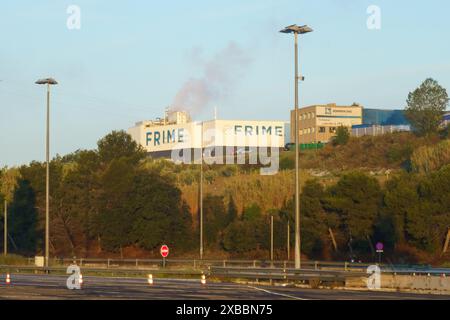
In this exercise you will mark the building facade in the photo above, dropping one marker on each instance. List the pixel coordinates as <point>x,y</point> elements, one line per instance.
<point>162,137</point>
<point>318,123</point>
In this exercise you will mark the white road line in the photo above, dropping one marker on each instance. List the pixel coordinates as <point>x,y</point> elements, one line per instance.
<point>278,294</point>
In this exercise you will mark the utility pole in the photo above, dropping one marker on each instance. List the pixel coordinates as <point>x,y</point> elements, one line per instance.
<point>447,241</point>
<point>5,230</point>
<point>201,195</point>
<point>288,241</point>
<point>333,240</point>
<point>296,30</point>
<point>271,240</point>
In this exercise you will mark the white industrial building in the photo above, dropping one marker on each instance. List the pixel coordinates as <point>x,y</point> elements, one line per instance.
<point>176,131</point>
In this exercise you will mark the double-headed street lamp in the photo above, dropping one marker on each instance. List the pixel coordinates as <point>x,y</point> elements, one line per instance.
<point>48,82</point>
<point>296,30</point>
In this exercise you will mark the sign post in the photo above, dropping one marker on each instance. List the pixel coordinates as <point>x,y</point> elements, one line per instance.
<point>164,253</point>
<point>379,246</point>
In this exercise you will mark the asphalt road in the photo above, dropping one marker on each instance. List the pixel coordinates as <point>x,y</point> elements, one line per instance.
<point>48,287</point>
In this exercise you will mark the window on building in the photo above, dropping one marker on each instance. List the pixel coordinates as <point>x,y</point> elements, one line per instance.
<point>332,129</point>
<point>322,130</point>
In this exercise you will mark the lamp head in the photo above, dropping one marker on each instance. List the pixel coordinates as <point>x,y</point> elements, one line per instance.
<point>49,81</point>
<point>297,29</point>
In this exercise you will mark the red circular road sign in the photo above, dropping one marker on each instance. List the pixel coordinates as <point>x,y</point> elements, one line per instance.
<point>164,251</point>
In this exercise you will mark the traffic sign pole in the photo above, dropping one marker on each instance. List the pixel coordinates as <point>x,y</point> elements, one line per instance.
<point>164,253</point>
<point>380,249</point>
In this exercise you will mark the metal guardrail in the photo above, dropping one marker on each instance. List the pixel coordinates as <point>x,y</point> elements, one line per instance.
<point>310,275</point>
<point>204,263</point>
<point>322,275</point>
<point>87,270</point>
<point>286,274</point>
<point>197,264</point>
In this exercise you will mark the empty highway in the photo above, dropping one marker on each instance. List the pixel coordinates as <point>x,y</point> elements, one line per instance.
<point>38,287</point>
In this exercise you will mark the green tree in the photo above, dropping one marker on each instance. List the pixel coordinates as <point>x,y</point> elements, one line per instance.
<point>400,201</point>
<point>426,226</point>
<point>232,212</point>
<point>115,220</point>
<point>157,213</point>
<point>252,213</point>
<point>356,199</point>
<point>119,144</point>
<point>8,182</point>
<point>247,235</point>
<point>23,220</point>
<point>33,178</point>
<point>342,136</point>
<point>214,219</point>
<point>314,219</point>
<point>181,228</point>
<point>425,107</point>
<point>239,237</point>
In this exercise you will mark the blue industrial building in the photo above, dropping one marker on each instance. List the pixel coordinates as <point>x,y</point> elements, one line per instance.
<point>446,120</point>
<point>384,117</point>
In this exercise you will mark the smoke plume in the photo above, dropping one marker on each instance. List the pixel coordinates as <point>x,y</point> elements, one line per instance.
<point>216,83</point>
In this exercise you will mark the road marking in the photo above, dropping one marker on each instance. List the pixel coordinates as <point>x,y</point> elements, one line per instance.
<point>278,294</point>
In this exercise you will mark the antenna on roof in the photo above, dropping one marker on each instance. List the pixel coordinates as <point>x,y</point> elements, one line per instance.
<point>166,115</point>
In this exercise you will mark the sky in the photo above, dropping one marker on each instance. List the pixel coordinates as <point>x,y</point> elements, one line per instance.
<point>131,59</point>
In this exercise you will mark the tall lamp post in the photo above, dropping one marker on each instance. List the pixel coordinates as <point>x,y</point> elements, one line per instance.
<point>296,30</point>
<point>201,195</point>
<point>48,82</point>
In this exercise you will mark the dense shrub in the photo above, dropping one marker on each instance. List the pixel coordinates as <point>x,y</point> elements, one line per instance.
<point>431,158</point>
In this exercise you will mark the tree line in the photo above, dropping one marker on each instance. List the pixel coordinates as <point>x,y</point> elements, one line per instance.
<point>409,214</point>
<point>101,200</point>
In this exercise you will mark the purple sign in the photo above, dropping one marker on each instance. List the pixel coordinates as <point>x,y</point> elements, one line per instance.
<point>379,246</point>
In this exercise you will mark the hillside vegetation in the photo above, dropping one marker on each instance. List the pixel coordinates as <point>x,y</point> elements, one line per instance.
<point>115,201</point>
<point>389,151</point>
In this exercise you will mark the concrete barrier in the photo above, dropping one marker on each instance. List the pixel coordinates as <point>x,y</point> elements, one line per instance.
<point>438,284</point>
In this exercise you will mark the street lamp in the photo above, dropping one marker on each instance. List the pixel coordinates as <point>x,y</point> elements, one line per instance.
<point>296,30</point>
<point>48,82</point>
<point>201,194</point>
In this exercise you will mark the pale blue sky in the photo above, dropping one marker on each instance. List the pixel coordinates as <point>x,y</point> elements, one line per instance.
<point>130,58</point>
